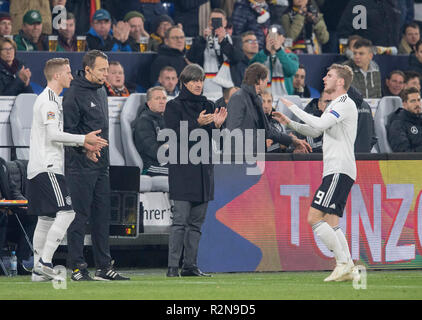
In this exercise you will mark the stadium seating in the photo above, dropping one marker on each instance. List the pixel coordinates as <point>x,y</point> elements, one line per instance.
<point>132,157</point>
<point>21,122</point>
<point>386,106</point>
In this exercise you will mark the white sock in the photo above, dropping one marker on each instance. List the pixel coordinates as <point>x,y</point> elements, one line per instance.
<point>40,235</point>
<point>328,236</point>
<point>343,242</point>
<point>56,233</point>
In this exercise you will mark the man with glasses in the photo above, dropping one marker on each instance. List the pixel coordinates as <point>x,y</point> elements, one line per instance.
<point>250,48</point>
<point>171,53</point>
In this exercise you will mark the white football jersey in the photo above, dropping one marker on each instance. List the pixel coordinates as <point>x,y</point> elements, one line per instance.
<point>339,140</point>
<point>46,155</point>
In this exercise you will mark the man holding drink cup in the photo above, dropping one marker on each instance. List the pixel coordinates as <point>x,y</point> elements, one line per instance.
<point>138,37</point>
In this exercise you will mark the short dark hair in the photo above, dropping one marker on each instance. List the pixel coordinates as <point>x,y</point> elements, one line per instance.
<point>301,66</point>
<point>411,74</point>
<point>413,25</point>
<point>89,58</point>
<point>404,94</point>
<point>353,37</point>
<point>167,68</point>
<point>70,16</point>
<point>192,72</point>
<point>169,30</point>
<point>247,33</point>
<point>419,43</point>
<point>399,72</point>
<point>363,43</point>
<point>218,10</point>
<point>255,72</point>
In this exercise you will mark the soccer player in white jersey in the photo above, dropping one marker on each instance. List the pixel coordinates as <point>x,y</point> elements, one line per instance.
<point>338,124</point>
<point>48,197</point>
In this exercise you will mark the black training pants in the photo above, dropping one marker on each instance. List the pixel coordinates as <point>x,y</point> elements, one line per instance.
<point>90,193</point>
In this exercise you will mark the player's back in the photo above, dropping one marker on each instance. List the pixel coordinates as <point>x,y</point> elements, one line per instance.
<point>339,140</point>
<point>45,155</point>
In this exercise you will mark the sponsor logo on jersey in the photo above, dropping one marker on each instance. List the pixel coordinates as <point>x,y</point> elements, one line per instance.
<point>414,130</point>
<point>93,104</point>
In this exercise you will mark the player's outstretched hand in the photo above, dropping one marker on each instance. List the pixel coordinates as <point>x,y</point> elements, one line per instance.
<point>93,142</point>
<point>93,155</point>
<point>301,145</point>
<point>286,102</point>
<point>283,119</point>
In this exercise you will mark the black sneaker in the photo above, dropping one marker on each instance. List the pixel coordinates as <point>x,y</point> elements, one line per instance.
<point>81,273</point>
<point>108,274</point>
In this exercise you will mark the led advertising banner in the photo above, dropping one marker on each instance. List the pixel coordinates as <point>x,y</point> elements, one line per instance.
<point>259,223</point>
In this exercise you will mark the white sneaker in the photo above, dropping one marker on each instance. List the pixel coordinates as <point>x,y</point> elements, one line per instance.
<point>36,277</point>
<point>353,275</point>
<point>340,271</point>
<point>47,270</point>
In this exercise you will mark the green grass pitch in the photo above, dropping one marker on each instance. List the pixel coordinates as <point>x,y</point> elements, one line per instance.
<point>152,284</point>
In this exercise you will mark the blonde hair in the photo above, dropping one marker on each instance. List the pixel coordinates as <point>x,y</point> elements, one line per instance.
<point>52,66</point>
<point>344,72</point>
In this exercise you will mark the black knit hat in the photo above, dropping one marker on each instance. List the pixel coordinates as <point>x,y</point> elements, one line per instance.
<point>160,19</point>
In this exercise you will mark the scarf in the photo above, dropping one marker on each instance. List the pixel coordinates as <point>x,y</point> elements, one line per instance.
<point>114,92</point>
<point>278,88</point>
<point>12,68</point>
<point>217,76</point>
<point>306,42</point>
<point>261,9</point>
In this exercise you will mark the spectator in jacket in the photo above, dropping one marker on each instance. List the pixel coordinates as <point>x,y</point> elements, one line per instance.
<point>101,37</point>
<point>302,23</point>
<point>5,24</point>
<point>250,48</point>
<point>67,37</point>
<point>146,128</point>
<point>168,80</point>
<point>415,59</point>
<point>171,53</point>
<point>192,14</point>
<point>404,128</point>
<point>136,22</point>
<point>282,65</point>
<point>159,27</point>
<point>300,88</point>
<point>115,84</point>
<point>410,38</point>
<point>366,73</point>
<point>214,51</point>
<point>30,37</point>
<point>382,22</point>
<point>412,79</point>
<point>14,76</point>
<point>251,16</point>
<point>20,8</point>
<point>394,83</point>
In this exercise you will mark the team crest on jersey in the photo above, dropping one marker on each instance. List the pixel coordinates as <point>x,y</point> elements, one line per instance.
<point>68,201</point>
<point>414,130</point>
<point>51,115</point>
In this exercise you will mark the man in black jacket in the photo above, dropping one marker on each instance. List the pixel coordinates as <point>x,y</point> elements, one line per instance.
<point>146,128</point>
<point>85,107</point>
<point>245,111</point>
<point>171,53</point>
<point>404,128</point>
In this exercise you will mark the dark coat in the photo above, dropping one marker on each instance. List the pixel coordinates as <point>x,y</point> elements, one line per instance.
<point>189,182</point>
<point>85,109</point>
<point>166,57</point>
<point>383,22</point>
<point>233,53</point>
<point>404,131</point>
<point>94,41</point>
<point>10,83</point>
<point>145,131</point>
<point>245,112</point>
<point>414,64</point>
<point>315,143</point>
<point>186,12</point>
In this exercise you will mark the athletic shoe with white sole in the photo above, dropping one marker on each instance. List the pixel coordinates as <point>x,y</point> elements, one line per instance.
<point>36,277</point>
<point>47,270</point>
<point>353,275</point>
<point>341,270</point>
<point>81,273</point>
<point>108,274</point>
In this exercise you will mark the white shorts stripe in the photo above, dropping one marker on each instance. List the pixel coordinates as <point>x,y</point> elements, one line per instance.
<point>330,191</point>
<point>56,189</point>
